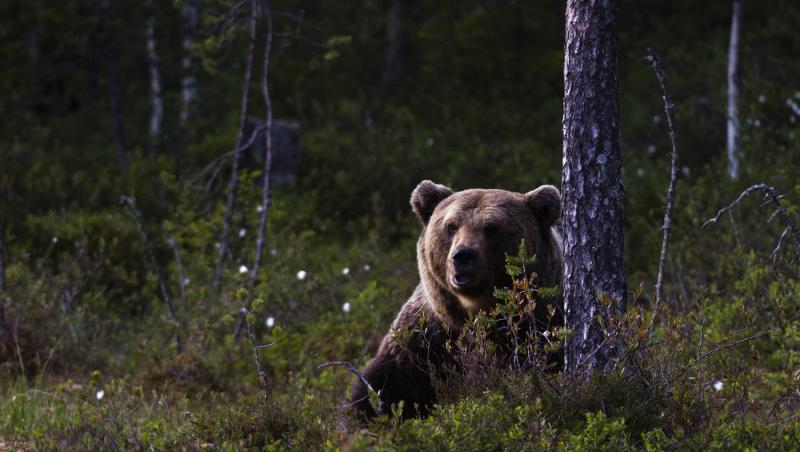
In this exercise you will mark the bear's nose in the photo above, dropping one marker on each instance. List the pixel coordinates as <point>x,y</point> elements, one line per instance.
<point>465,259</point>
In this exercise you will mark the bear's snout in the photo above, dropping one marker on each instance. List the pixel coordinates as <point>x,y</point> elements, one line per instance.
<point>465,259</point>
<point>465,264</point>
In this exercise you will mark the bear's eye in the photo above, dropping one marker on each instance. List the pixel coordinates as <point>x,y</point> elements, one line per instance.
<point>451,229</point>
<point>490,230</point>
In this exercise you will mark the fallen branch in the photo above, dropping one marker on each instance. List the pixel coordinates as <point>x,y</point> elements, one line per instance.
<point>162,283</point>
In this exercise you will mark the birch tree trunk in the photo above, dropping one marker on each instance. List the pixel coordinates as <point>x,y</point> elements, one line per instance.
<point>266,189</point>
<point>157,104</point>
<point>733,93</point>
<point>592,192</point>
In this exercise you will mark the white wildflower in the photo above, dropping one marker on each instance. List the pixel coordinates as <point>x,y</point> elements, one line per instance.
<point>366,267</point>
<point>718,385</point>
<point>640,172</point>
<point>270,322</point>
<point>651,149</point>
<point>762,98</point>
<point>656,119</point>
<point>685,171</point>
<point>429,142</point>
<point>243,269</point>
<point>100,394</point>
<point>242,232</point>
<point>757,123</point>
<point>345,271</point>
<point>216,245</point>
<point>301,275</point>
<point>185,282</point>
<point>259,208</point>
<point>346,308</point>
<point>55,240</point>
<point>273,252</point>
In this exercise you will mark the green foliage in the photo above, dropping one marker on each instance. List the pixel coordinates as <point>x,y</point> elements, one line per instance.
<point>477,103</point>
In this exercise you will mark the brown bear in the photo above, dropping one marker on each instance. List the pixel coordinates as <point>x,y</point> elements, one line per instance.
<point>461,258</point>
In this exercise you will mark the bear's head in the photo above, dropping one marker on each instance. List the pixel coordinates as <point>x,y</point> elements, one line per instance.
<point>467,234</point>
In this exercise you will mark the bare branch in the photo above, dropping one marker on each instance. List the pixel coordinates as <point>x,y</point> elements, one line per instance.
<point>773,197</point>
<point>777,251</point>
<point>128,203</point>
<point>701,356</point>
<point>214,164</point>
<point>303,38</point>
<point>669,110</point>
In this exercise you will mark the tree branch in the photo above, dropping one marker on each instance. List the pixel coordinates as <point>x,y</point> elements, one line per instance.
<point>771,196</point>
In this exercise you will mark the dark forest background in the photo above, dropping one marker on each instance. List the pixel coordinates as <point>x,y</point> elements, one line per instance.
<point>385,94</point>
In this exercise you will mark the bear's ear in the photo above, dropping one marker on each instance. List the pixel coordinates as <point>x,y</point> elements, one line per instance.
<point>426,197</point>
<point>545,203</point>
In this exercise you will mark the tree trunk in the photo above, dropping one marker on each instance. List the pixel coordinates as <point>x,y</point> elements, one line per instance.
<point>234,183</point>
<point>393,62</point>
<point>733,93</point>
<point>189,81</point>
<point>157,104</point>
<point>114,96</point>
<point>266,189</point>
<point>592,192</point>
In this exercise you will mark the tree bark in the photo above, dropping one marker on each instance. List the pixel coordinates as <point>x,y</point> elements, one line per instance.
<point>733,93</point>
<point>156,102</point>
<point>594,276</point>
<point>234,183</point>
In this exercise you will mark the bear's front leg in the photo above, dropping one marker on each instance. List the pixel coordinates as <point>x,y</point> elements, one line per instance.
<point>398,375</point>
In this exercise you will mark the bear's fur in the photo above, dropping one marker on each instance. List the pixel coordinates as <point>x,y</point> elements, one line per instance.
<point>461,258</point>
